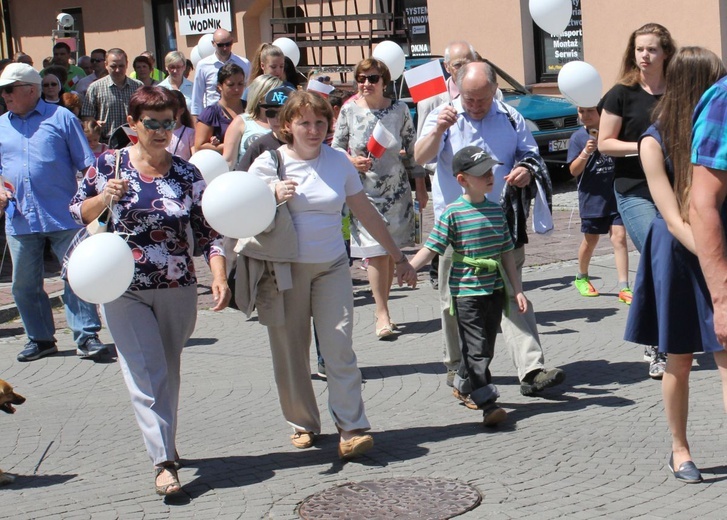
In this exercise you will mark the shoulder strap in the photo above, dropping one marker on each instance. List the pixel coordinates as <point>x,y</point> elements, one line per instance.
<point>278,162</point>
<point>179,140</point>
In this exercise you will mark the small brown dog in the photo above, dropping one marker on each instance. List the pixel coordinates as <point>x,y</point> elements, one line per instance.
<point>7,399</point>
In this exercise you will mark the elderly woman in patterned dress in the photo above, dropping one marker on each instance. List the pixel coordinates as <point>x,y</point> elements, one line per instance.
<point>385,180</point>
<point>156,197</point>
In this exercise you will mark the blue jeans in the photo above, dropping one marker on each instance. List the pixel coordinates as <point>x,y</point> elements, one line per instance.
<point>637,210</point>
<point>33,302</point>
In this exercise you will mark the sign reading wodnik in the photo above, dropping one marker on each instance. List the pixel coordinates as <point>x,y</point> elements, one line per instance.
<point>203,16</point>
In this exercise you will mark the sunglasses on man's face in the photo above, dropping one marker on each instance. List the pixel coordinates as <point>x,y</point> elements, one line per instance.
<point>373,78</point>
<point>224,44</point>
<point>272,112</point>
<point>48,85</point>
<point>9,88</point>
<point>97,60</point>
<point>154,125</point>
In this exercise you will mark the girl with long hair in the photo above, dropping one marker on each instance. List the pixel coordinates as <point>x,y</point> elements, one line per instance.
<point>671,306</point>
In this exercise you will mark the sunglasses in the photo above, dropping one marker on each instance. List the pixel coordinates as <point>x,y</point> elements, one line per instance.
<point>154,125</point>
<point>224,44</point>
<point>324,79</point>
<point>97,60</point>
<point>9,89</point>
<point>373,78</point>
<point>272,112</point>
<point>50,85</point>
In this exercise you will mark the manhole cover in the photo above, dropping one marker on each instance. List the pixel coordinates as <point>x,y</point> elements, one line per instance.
<point>420,498</point>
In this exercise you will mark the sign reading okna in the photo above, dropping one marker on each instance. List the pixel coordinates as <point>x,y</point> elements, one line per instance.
<point>203,16</point>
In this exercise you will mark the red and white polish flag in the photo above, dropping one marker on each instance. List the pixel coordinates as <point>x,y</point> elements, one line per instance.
<point>131,134</point>
<point>381,139</point>
<point>425,81</point>
<point>319,87</point>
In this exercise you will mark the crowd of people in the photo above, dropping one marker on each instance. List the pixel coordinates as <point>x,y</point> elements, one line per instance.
<point>78,140</point>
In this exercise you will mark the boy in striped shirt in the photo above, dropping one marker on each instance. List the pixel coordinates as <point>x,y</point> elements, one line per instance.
<point>477,231</point>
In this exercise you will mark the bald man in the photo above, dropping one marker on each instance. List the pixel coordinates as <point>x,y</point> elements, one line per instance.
<point>205,91</point>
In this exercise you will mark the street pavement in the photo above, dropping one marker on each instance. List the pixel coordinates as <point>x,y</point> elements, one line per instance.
<point>595,447</point>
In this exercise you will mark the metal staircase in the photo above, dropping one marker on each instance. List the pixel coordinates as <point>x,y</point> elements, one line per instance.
<point>333,35</point>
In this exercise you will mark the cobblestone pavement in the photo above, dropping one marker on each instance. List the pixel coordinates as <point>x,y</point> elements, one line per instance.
<point>596,447</point>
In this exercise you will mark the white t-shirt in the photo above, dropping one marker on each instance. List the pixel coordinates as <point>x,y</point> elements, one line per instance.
<point>323,185</point>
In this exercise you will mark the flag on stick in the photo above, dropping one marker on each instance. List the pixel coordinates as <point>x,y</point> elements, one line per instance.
<point>425,81</point>
<point>131,134</point>
<point>319,87</point>
<point>380,140</point>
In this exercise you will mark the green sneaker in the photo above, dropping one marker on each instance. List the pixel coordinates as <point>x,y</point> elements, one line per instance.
<point>625,296</point>
<point>585,287</point>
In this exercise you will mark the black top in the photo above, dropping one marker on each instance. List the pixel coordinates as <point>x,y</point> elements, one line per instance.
<point>634,105</point>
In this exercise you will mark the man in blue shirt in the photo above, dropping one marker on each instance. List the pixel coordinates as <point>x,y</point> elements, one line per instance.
<point>42,146</point>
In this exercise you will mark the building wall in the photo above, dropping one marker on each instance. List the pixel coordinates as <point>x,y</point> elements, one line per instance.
<point>608,25</point>
<point>501,30</point>
<point>107,24</point>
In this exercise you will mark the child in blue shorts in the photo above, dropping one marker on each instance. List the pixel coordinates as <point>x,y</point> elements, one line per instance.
<point>596,204</point>
<point>483,255</point>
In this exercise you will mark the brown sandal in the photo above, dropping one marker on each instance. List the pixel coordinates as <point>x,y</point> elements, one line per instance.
<point>173,487</point>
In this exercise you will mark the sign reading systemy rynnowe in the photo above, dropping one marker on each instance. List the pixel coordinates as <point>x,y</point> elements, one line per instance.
<point>203,16</point>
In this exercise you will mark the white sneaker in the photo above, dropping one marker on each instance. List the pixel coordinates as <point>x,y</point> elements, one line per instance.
<point>650,353</point>
<point>657,366</point>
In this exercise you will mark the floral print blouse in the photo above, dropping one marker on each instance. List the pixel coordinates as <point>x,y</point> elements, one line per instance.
<point>156,215</point>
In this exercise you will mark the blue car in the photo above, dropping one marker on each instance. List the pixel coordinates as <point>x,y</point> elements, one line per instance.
<point>551,119</point>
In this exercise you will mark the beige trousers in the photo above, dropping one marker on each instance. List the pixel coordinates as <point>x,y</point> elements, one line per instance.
<point>323,292</point>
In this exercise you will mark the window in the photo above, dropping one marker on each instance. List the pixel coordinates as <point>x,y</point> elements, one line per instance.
<point>164,34</point>
<point>552,52</point>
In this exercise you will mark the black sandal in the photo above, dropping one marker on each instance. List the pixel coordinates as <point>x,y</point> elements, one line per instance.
<point>167,489</point>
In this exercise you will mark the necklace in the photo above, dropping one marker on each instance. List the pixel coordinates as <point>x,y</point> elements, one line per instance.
<point>313,168</point>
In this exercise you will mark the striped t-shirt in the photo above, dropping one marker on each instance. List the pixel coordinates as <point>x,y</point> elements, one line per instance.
<point>476,231</point>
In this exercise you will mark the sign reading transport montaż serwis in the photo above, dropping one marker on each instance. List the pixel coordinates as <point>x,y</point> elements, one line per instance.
<point>203,16</point>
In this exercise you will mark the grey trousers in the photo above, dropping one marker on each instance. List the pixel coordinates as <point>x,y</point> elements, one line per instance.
<point>150,329</point>
<point>323,292</point>
<point>520,331</point>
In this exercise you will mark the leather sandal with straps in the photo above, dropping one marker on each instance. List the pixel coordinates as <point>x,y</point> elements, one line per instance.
<point>173,487</point>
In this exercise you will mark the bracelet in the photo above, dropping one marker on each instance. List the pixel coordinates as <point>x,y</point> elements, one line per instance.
<point>401,260</point>
<point>586,153</point>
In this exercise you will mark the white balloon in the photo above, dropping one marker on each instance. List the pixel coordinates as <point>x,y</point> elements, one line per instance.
<point>206,46</point>
<point>194,57</point>
<point>580,83</point>
<point>211,164</point>
<point>101,268</point>
<point>552,16</point>
<point>289,48</point>
<point>393,56</point>
<point>238,205</point>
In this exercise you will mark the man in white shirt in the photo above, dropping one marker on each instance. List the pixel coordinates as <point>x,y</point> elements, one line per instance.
<point>477,118</point>
<point>98,66</point>
<point>205,91</point>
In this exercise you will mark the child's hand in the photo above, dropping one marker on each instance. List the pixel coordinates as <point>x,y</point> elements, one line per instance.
<point>591,146</point>
<point>522,302</point>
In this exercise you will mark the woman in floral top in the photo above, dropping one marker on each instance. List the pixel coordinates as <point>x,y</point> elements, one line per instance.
<point>156,199</point>
<point>385,180</point>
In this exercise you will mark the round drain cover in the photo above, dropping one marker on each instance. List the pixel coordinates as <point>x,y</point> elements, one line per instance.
<point>415,498</point>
